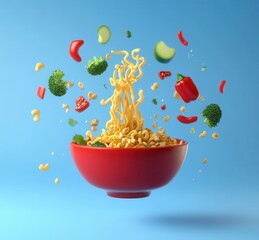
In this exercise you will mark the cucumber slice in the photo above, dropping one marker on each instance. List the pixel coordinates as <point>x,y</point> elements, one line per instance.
<point>104,34</point>
<point>163,53</point>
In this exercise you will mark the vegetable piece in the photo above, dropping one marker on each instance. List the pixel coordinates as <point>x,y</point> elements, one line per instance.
<point>163,53</point>
<point>41,92</point>
<point>187,120</point>
<point>222,86</point>
<point>79,139</point>
<point>186,88</point>
<point>97,66</point>
<point>104,34</point>
<point>56,85</point>
<point>128,34</point>
<point>99,144</point>
<point>74,49</point>
<point>164,74</point>
<point>212,114</point>
<point>81,104</point>
<point>163,107</point>
<point>154,101</point>
<point>181,38</point>
<point>72,122</point>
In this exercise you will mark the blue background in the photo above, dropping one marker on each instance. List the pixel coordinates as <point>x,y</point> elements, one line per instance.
<point>222,202</point>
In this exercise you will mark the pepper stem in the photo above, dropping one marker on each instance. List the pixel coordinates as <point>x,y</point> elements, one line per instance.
<point>180,77</point>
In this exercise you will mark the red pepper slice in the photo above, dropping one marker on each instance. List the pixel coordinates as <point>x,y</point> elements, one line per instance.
<point>186,88</point>
<point>164,74</point>
<point>81,104</point>
<point>74,49</point>
<point>181,38</point>
<point>187,120</point>
<point>41,92</point>
<point>222,86</point>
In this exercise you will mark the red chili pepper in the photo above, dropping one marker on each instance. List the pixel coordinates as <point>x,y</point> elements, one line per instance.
<point>41,92</point>
<point>163,107</point>
<point>187,120</point>
<point>81,104</point>
<point>164,74</point>
<point>186,88</point>
<point>222,86</point>
<point>74,49</point>
<point>181,38</point>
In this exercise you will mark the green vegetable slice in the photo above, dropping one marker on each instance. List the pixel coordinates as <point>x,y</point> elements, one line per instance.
<point>163,53</point>
<point>104,34</point>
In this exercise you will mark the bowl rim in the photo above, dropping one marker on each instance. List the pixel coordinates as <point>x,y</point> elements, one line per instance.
<point>185,143</point>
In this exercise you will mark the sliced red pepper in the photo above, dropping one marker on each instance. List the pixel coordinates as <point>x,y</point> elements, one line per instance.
<point>222,86</point>
<point>186,88</point>
<point>81,104</point>
<point>187,120</point>
<point>163,107</point>
<point>164,74</point>
<point>41,92</point>
<point>181,38</point>
<point>74,49</point>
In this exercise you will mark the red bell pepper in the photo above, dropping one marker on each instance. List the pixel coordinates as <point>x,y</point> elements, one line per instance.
<point>81,104</point>
<point>186,88</point>
<point>41,92</point>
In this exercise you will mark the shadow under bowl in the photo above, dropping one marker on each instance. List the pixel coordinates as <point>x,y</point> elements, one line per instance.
<point>129,172</point>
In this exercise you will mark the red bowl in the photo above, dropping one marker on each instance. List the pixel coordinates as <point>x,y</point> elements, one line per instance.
<point>129,172</point>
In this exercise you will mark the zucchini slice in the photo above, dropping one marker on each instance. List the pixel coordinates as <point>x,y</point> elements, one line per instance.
<point>163,53</point>
<point>104,34</point>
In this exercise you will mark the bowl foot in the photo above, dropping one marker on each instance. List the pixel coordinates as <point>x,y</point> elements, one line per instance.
<point>128,194</point>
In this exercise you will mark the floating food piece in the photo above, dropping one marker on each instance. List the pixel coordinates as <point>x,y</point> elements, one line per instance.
<point>39,66</point>
<point>156,116</point>
<point>44,167</point>
<point>163,53</point>
<point>95,122</point>
<point>56,181</point>
<point>69,84</point>
<point>202,98</point>
<point>154,86</point>
<point>181,38</point>
<point>108,56</point>
<point>166,118</point>
<point>222,86</point>
<point>192,131</point>
<point>203,68</point>
<point>163,107</point>
<point>187,120</point>
<point>183,109</point>
<point>81,104</point>
<point>52,153</point>
<point>74,49</point>
<point>154,101</point>
<point>212,114</point>
<point>104,34</point>
<point>164,74</point>
<point>204,161</point>
<point>36,114</point>
<point>41,92</point>
<point>72,122</point>
<point>215,135</point>
<point>176,95</point>
<point>66,107</point>
<point>186,88</point>
<point>56,85</point>
<point>128,34</point>
<point>81,85</point>
<point>97,66</point>
<point>154,125</point>
<point>203,134</point>
<point>104,85</point>
<point>92,95</point>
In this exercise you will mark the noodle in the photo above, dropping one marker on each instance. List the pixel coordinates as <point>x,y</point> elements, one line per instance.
<point>125,127</point>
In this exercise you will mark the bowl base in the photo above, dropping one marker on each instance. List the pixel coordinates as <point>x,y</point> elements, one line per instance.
<point>128,194</point>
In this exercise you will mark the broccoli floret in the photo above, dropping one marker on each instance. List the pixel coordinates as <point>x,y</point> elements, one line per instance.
<point>98,144</point>
<point>79,139</point>
<point>212,114</point>
<point>97,66</point>
<point>56,85</point>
